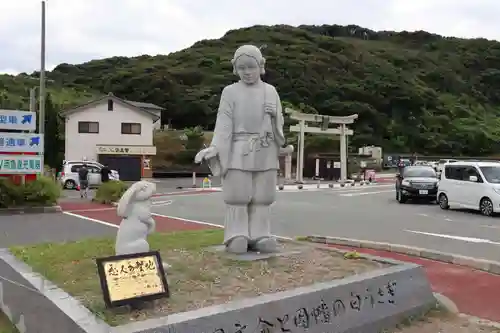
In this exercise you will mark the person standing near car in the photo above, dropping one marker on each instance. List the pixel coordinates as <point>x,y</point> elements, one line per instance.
<point>401,165</point>
<point>105,172</point>
<point>413,159</point>
<point>83,179</point>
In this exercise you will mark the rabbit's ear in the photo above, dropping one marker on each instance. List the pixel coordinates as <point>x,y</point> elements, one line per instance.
<point>146,191</point>
<point>125,201</point>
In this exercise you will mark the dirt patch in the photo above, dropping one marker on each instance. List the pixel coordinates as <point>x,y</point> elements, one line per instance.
<point>198,277</point>
<point>203,278</point>
<point>444,323</point>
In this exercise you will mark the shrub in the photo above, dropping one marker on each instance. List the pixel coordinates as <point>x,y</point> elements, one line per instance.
<point>10,193</point>
<point>41,192</point>
<point>110,192</point>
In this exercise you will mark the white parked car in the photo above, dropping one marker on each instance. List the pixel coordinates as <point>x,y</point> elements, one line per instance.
<point>69,173</point>
<point>441,163</point>
<point>470,185</point>
<point>422,163</point>
<point>434,165</point>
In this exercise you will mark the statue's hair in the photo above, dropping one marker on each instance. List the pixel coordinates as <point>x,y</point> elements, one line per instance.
<point>251,51</point>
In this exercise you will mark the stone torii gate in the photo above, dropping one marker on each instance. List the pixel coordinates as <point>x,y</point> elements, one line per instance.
<point>303,128</point>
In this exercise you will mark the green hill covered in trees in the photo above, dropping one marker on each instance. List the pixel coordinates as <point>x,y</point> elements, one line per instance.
<point>413,91</point>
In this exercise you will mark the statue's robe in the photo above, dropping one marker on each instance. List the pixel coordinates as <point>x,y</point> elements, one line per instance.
<point>248,136</point>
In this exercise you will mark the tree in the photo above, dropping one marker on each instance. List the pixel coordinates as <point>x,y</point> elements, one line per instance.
<point>413,91</point>
<point>194,138</point>
<point>54,146</point>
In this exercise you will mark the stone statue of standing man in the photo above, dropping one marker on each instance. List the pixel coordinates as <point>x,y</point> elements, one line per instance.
<point>244,152</point>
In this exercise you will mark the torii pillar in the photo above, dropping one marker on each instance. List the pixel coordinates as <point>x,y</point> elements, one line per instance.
<point>303,128</point>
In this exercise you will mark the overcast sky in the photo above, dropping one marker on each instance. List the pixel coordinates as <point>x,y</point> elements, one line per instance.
<point>82,30</point>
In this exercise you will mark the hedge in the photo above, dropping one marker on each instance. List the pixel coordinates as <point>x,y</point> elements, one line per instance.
<point>41,192</point>
<point>110,192</point>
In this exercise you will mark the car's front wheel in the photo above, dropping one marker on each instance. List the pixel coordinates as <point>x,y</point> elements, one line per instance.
<point>443,201</point>
<point>486,207</point>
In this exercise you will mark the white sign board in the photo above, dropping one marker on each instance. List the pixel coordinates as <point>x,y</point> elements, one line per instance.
<point>17,120</point>
<point>21,142</point>
<point>21,164</point>
<point>126,150</point>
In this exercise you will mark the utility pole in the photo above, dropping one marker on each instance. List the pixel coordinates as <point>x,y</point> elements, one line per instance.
<point>41,108</point>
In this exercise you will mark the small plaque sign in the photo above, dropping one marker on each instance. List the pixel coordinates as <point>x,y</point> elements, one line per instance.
<point>132,278</point>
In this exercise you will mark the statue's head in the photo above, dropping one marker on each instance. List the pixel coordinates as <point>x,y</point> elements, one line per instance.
<point>138,192</point>
<point>248,63</point>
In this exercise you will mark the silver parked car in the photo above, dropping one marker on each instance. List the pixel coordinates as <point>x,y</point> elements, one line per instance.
<point>69,174</point>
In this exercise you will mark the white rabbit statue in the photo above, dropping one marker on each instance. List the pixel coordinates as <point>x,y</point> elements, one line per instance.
<point>137,223</point>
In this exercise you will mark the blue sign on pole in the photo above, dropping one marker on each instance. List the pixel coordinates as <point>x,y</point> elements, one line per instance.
<point>17,120</point>
<point>21,142</point>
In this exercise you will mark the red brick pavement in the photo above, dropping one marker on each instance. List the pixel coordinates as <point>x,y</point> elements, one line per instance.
<point>475,293</point>
<point>107,213</point>
<point>190,192</point>
<point>82,205</point>
<point>163,224</point>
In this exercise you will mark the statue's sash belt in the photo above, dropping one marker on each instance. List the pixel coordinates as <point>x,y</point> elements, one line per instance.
<point>253,141</point>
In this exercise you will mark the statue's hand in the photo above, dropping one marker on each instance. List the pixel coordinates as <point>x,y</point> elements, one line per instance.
<point>286,150</point>
<point>205,154</point>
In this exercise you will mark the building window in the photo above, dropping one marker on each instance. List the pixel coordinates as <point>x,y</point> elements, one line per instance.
<point>131,128</point>
<point>110,105</point>
<point>88,127</point>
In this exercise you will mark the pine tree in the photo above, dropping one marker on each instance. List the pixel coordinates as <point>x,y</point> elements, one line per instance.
<point>54,147</point>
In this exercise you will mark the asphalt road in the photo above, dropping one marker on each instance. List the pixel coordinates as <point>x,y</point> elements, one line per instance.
<point>366,213</point>
<point>50,227</point>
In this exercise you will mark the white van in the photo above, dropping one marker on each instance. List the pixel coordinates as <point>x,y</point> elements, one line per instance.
<point>441,163</point>
<point>470,185</point>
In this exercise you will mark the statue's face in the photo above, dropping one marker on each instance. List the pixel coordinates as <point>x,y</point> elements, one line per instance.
<point>248,69</point>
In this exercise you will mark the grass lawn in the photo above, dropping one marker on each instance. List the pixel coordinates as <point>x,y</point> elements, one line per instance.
<point>198,277</point>
<point>5,325</point>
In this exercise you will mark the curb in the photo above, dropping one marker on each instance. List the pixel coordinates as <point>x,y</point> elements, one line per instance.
<point>330,185</point>
<point>30,210</point>
<point>479,264</point>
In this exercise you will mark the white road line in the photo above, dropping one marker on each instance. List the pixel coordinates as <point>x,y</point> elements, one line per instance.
<point>162,203</point>
<point>468,222</point>
<point>460,238</point>
<point>176,194</point>
<point>363,193</point>
<point>159,215</point>
<point>188,220</point>
<point>207,223</point>
<point>334,190</point>
<point>91,219</point>
<point>91,210</point>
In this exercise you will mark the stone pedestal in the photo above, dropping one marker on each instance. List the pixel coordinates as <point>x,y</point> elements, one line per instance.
<point>253,256</point>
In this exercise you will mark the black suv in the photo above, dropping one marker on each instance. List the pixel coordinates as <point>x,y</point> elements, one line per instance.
<point>416,182</point>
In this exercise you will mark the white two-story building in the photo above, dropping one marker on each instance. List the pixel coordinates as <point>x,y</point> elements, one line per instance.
<point>114,132</point>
